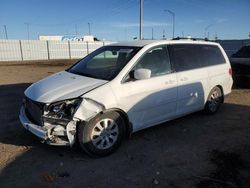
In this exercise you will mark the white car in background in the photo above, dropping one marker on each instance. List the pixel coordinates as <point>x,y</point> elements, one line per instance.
<point>125,87</point>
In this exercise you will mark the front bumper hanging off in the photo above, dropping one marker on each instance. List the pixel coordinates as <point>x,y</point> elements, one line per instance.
<point>35,129</point>
<point>53,135</point>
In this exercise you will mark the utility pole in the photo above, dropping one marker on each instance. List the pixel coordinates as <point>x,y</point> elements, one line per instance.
<point>152,33</point>
<point>76,29</point>
<point>28,30</point>
<point>89,28</point>
<point>206,29</point>
<point>216,37</point>
<point>141,4</point>
<point>5,31</point>
<point>173,15</point>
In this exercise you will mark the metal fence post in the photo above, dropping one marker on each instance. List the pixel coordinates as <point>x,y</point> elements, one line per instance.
<point>47,43</point>
<point>21,49</point>
<point>69,49</point>
<point>87,47</point>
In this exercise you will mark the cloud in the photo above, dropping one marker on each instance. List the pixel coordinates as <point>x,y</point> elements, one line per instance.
<point>214,21</point>
<point>221,20</point>
<point>145,24</point>
<point>200,21</point>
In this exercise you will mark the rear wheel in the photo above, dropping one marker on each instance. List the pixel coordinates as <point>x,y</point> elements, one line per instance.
<point>214,101</point>
<point>102,135</point>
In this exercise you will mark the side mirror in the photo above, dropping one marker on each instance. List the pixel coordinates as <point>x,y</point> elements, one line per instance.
<point>141,74</point>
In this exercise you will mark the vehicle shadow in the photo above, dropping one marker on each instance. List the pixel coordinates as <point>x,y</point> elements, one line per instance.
<point>172,154</point>
<point>11,131</point>
<point>241,83</point>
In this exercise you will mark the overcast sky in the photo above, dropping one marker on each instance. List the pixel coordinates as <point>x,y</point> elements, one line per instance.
<point>118,20</point>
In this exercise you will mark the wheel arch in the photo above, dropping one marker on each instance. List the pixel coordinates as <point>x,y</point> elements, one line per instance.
<point>129,127</point>
<point>221,88</point>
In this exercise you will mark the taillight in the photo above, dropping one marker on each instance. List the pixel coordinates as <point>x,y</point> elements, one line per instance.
<point>230,71</point>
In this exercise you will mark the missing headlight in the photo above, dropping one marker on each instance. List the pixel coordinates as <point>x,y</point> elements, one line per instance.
<point>63,109</point>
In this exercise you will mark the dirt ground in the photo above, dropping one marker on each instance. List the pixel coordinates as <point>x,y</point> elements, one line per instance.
<point>193,151</point>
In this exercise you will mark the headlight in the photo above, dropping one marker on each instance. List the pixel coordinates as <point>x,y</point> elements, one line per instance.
<point>63,109</point>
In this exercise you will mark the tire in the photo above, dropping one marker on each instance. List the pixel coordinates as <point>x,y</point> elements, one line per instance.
<point>214,101</point>
<point>102,135</point>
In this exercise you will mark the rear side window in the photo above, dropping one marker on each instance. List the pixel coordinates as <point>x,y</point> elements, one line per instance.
<point>210,55</point>
<point>191,56</point>
<point>185,56</point>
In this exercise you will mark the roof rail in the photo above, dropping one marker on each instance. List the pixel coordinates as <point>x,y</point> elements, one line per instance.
<point>189,38</point>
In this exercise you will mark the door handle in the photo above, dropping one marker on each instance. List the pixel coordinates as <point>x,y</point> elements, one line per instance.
<point>184,79</point>
<point>194,94</point>
<point>169,82</point>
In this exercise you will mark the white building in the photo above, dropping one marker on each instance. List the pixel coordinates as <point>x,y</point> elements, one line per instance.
<point>50,37</point>
<point>86,38</point>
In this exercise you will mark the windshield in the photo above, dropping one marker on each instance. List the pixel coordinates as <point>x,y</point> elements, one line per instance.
<point>104,63</point>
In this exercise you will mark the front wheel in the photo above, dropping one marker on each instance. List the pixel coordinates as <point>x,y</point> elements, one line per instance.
<point>214,101</point>
<point>102,135</point>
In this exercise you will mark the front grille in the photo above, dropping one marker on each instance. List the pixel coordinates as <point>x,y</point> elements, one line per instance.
<point>34,111</point>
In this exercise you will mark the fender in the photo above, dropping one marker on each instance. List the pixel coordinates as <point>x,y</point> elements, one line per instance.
<point>89,108</point>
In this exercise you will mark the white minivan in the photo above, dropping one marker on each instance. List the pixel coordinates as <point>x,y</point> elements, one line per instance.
<point>125,87</point>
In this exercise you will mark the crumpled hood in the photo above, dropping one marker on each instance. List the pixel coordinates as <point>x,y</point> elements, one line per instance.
<point>60,86</point>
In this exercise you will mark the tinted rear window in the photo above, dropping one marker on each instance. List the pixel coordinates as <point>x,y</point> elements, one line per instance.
<point>244,52</point>
<point>191,56</point>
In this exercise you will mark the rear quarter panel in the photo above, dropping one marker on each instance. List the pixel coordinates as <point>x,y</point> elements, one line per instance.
<point>219,75</point>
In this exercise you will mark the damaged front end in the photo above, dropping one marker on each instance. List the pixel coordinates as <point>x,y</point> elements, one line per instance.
<point>56,123</point>
<point>59,122</point>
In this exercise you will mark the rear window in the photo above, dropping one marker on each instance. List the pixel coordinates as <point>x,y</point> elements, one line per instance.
<point>244,52</point>
<point>191,56</point>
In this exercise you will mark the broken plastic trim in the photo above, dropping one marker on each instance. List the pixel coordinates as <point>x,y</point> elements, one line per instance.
<point>88,109</point>
<point>54,120</point>
<point>62,109</point>
<point>60,123</point>
<point>61,135</point>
